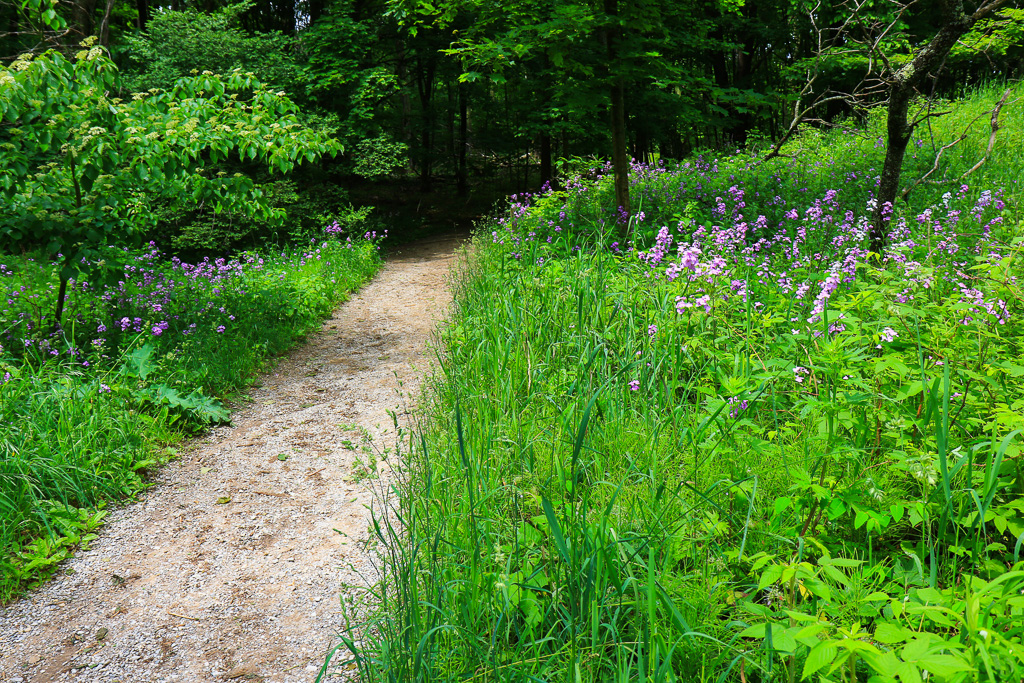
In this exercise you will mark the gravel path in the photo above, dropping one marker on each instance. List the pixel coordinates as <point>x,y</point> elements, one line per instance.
<point>230,567</point>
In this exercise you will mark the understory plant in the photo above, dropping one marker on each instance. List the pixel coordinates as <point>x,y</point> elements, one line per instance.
<point>143,358</point>
<point>742,447</point>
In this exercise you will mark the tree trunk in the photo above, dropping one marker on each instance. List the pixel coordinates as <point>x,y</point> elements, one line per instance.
<point>620,160</point>
<point>105,24</point>
<point>425,86</point>
<point>142,7</point>
<point>904,84</point>
<point>545,157</point>
<point>316,10</point>
<point>81,19</point>
<point>285,11</point>
<point>744,121</point>
<point>898,132</point>
<point>462,181</point>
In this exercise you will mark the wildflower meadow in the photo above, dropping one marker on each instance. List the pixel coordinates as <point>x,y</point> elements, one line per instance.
<point>739,446</point>
<point>148,348</point>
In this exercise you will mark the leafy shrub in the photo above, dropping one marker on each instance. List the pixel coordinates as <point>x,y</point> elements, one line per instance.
<point>178,43</point>
<point>742,448</point>
<point>143,357</point>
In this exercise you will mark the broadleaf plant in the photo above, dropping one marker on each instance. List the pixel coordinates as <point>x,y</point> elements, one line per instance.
<point>82,167</point>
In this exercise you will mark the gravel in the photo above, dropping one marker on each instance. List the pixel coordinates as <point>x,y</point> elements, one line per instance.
<point>179,587</point>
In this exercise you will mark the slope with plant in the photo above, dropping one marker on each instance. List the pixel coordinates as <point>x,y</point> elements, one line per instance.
<point>109,351</point>
<point>745,448</point>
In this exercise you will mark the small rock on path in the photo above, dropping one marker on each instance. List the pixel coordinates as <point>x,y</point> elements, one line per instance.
<point>182,588</point>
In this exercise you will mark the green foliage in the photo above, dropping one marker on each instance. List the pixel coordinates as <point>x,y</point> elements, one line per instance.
<point>340,78</point>
<point>85,168</point>
<point>778,460</point>
<point>65,450</point>
<point>810,620</point>
<point>179,43</point>
<point>379,156</point>
<point>85,413</point>
<point>188,230</point>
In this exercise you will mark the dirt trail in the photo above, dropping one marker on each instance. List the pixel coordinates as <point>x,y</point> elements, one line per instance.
<point>183,586</point>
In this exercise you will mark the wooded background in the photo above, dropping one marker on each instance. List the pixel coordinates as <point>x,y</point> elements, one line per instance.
<point>451,92</point>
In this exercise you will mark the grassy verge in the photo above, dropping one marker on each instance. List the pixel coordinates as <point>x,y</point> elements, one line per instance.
<point>146,350</point>
<point>745,450</point>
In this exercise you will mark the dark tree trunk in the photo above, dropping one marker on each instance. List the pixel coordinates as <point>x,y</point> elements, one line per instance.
<point>462,181</point>
<point>741,79</point>
<point>405,101</point>
<point>425,87</point>
<point>81,19</point>
<point>285,11</point>
<point>450,122</point>
<point>105,24</point>
<point>620,160</point>
<point>61,298</point>
<point>142,7</point>
<point>955,23</point>
<point>316,10</point>
<point>719,60</point>
<point>545,157</point>
<point>898,131</point>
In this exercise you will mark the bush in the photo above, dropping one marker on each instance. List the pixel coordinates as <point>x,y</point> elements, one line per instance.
<point>743,448</point>
<point>141,360</point>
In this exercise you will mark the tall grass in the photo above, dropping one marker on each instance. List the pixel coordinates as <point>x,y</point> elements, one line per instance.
<point>745,449</point>
<point>143,358</point>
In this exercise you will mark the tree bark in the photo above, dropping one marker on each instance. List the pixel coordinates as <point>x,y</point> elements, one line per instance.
<point>545,157</point>
<point>105,24</point>
<point>316,10</point>
<point>462,180</point>
<point>81,19</point>
<point>425,70</point>
<point>902,87</point>
<point>142,7</point>
<point>620,160</point>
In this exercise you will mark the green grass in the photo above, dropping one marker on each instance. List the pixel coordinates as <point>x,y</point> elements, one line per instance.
<point>86,411</point>
<point>619,480</point>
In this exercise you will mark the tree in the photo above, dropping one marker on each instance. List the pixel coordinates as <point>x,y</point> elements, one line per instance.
<point>602,42</point>
<point>82,168</point>
<point>30,26</point>
<point>874,43</point>
<point>903,83</point>
<point>348,73</point>
<point>178,43</point>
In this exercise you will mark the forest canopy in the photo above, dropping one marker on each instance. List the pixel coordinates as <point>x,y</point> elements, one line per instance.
<point>445,89</point>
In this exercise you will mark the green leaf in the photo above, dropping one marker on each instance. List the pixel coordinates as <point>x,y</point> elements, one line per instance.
<point>781,504</point>
<point>943,665</point>
<point>860,519</point>
<point>840,562</point>
<point>754,631</point>
<point>836,575</point>
<point>822,654</point>
<point>889,634</point>
<point>897,511</point>
<point>770,576</point>
<point>556,531</point>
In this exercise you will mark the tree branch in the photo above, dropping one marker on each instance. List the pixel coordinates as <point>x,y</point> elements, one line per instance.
<point>935,166</point>
<point>991,138</point>
<point>994,121</point>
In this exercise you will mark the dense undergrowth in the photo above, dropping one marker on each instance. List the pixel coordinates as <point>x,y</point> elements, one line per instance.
<point>147,348</point>
<point>746,450</point>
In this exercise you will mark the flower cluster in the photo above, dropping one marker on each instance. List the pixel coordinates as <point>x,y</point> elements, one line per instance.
<point>146,296</point>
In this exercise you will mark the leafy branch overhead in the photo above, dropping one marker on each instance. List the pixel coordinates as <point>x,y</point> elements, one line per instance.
<point>83,167</point>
